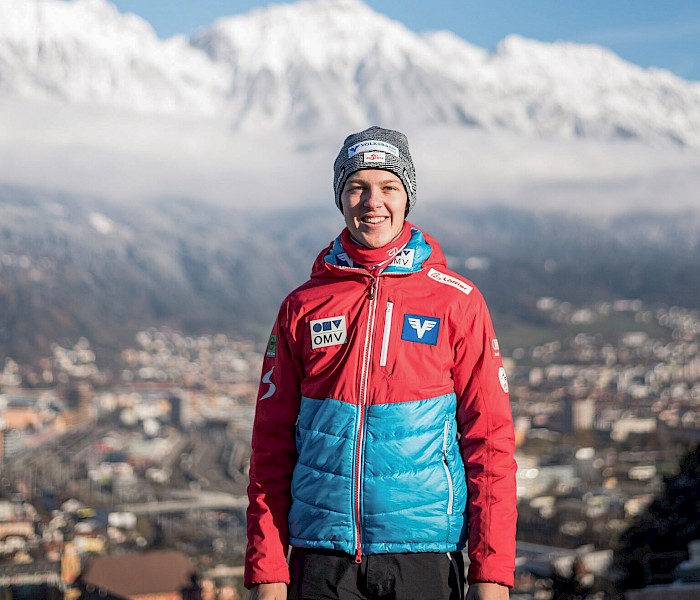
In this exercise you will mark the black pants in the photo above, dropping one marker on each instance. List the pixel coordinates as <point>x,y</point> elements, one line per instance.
<point>328,575</point>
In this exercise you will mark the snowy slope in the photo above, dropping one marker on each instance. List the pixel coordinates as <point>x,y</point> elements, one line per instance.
<point>86,52</point>
<point>360,66</point>
<point>316,65</point>
<point>578,90</point>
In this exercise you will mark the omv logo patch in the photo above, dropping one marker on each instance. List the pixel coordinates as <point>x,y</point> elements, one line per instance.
<point>404,258</point>
<point>417,328</point>
<point>328,332</point>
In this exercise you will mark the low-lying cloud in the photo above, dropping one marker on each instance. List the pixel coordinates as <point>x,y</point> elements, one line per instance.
<point>133,158</point>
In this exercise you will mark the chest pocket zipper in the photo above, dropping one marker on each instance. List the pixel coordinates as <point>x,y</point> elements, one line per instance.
<point>387,334</point>
<point>450,489</point>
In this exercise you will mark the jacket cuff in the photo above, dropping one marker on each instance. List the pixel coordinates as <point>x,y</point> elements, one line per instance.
<point>485,574</point>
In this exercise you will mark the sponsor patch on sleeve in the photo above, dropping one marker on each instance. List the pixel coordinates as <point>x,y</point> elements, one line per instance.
<point>272,388</point>
<point>330,331</point>
<point>271,351</point>
<point>495,347</point>
<point>503,378</point>
<point>449,280</point>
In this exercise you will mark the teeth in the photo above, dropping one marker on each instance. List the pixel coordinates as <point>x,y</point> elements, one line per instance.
<point>373,219</point>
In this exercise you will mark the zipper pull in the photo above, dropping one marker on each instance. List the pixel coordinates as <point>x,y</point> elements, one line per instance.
<point>358,556</point>
<point>372,287</point>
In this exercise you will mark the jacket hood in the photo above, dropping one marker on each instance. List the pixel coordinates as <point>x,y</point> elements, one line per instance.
<point>421,251</point>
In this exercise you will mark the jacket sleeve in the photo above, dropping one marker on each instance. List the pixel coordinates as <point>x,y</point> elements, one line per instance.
<point>273,458</point>
<point>487,444</point>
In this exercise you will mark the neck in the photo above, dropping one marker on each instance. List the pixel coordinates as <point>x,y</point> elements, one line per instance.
<point>373,258</point>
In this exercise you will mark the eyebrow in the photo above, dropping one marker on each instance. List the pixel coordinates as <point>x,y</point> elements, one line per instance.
<point>360,179</point>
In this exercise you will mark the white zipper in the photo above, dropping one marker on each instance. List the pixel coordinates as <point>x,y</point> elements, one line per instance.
<point>450,499</point>
<point>387,334</point>
<point>364,382</point>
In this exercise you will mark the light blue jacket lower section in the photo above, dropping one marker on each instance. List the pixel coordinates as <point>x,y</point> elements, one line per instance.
<point>412,486</point>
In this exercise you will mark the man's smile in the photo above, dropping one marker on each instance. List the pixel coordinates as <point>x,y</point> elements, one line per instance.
<point>374,220</point>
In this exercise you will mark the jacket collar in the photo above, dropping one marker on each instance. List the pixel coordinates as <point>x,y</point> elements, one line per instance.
<point>410,259</point>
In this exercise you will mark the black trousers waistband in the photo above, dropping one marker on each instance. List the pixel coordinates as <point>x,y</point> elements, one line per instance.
<point>329,575</point>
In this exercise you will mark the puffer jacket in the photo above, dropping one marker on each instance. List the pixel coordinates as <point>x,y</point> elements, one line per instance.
<point>383,422</point>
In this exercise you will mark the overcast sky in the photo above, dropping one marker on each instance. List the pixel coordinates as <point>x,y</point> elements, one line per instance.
<point>647,32</point>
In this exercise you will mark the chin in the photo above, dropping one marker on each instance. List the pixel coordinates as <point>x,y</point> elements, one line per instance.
<point>374,243</point>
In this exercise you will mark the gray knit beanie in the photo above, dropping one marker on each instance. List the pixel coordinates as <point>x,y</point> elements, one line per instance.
<point>375,148</point>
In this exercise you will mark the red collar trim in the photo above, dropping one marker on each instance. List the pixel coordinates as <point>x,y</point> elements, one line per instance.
<point>372,258</point>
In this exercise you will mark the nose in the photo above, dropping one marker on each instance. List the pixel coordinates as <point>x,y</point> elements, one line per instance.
<point>372,197</point>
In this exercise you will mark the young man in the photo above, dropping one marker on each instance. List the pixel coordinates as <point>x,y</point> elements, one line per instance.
<point>383,438</point>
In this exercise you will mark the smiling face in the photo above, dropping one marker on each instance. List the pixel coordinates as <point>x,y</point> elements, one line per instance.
<point>374,206</point>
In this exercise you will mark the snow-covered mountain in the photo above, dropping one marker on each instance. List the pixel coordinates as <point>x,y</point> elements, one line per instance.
<point>315,64</point>
<point>87,52</point>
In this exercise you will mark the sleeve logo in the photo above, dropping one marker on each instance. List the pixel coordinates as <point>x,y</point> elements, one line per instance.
<point>423,330</point>
<point>267,379</point>
<point>271,351</point>
<point>503,378</point>
<point>328,332</point>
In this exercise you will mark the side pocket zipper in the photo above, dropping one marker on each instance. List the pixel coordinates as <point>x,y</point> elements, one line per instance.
<point>450,489</point>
